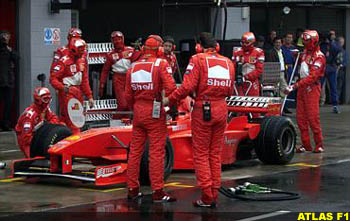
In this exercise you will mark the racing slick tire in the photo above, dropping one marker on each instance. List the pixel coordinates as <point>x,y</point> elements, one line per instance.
<point>276,141</point>
<point>47,135</point>
<point>168,163</point>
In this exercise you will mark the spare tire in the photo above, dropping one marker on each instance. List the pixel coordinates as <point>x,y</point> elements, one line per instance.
<point>276,141</point>
<point>47,135</point>
<point>168,163</point>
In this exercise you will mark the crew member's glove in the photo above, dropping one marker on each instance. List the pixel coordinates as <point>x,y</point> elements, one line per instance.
<point>289,89</point>
<point>166,101</point>
<point>248,77</point>
<point>239,79</point>
<point>66,89</point>
<point>91,102</point>
<point>295,78</point>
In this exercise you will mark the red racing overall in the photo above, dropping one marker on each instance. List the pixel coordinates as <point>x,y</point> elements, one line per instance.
<point>70,78</point>
<point>211,76</point>
<point>33,117</point>
<point>144,84</point>
<point>312,69</point>
<point>119,61</point>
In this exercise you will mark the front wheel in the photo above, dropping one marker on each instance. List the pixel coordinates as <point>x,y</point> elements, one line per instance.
<point>168,163</point>
<point>45,136</point>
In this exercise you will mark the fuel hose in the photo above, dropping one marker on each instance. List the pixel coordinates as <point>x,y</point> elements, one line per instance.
<point>255,192</point>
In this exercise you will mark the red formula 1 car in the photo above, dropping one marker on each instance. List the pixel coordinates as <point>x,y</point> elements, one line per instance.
<point>55,153</point>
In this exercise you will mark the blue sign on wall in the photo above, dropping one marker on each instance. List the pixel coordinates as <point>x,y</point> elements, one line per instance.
<point>48,36</point>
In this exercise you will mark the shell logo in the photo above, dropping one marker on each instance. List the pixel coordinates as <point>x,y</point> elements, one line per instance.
<point>75,106</point>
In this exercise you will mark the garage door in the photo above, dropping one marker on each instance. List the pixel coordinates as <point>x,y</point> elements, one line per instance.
<point>324,19</point>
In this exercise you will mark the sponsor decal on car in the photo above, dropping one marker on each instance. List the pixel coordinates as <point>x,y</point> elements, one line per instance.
<point>108,171</point>
<point>179,127</point>
<point>231,141</point>
<point>76,137</point>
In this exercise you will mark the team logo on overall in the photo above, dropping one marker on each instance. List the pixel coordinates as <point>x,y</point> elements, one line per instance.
<point>115,56</point>
<point>218,72</point>
<point>252,59</point>
<point>73,68</point>
<point>141,76</point>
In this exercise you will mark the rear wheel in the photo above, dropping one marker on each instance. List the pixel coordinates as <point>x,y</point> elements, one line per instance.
<point>47,135</point>
<point>276,141</point>
<point>168,163</point>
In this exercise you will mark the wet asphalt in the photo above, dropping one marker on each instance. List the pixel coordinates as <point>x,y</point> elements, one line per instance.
<point>320,179</point>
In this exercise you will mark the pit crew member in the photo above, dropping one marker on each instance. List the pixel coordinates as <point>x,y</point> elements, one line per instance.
<point>312,69</point>
<point>64,50</point>
<point>146,80</point>
<point>118,61</point>
<point>33,117</point>
<point>252,59</point>
<point>69,77</point>
<point>169,48</point>
<point>211,76</point>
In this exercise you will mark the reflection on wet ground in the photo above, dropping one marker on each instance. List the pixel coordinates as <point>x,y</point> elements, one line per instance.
<point>321,188</point>
<point>321,179</point>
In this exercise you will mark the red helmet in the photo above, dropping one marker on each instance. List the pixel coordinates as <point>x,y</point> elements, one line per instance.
<point>42,96</point>
<point>310,39</point>
<point>74,33</point>
<point>77,47</point>
<point>153,45</point>
<point>117,39</point>
<point>247,41</point>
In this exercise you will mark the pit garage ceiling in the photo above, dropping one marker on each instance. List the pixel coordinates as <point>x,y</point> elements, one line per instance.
<point>178,3</point>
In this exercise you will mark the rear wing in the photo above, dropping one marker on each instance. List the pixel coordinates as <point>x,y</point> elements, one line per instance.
<point>248,104</point>
<point>102,110</point>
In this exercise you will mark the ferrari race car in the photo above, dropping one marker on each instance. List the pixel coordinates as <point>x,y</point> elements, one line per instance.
<point>100,155</point>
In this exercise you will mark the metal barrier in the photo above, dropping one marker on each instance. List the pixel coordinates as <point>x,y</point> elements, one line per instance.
<point>100,105</point>
<point>248,104</point>
<point>97,52</point>
<point>110,104</point>
<point>271,77</point>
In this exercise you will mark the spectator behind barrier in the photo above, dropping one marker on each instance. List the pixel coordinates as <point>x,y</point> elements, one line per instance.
<point>8,61</point>
<point>342,62</point>
<point>276,55</point>
<point>269,42</point>
<point>260,42</point>
<point>298,42</point>
<point>331,49</point>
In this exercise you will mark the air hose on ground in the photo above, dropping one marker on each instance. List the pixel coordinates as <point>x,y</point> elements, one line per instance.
<point>255,192</point>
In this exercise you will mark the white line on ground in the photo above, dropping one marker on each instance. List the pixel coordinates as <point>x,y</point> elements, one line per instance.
<point>9,151</point>
<point>237,177</point>
<point>343,161</point>
<point>267,215</point>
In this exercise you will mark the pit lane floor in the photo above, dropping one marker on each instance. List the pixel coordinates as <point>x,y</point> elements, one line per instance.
<point>321,179</point>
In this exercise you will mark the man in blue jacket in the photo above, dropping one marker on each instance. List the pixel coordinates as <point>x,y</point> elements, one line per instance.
<point>331,49</point>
